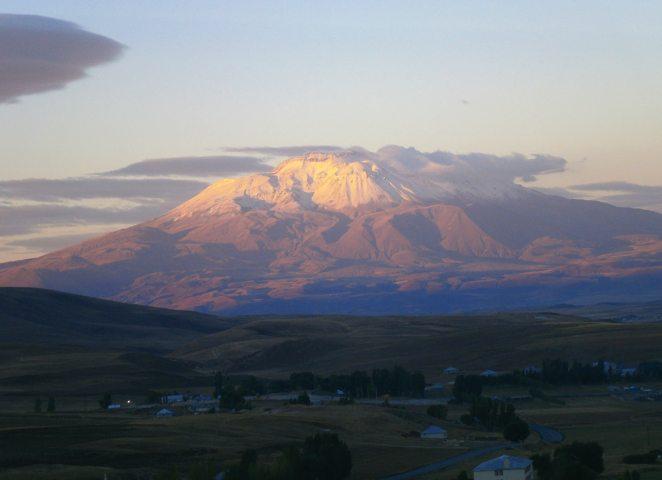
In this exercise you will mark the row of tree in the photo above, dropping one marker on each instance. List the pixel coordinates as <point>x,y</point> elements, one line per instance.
<point>493,415</point>
<point>556,372</point>
<point>396,381</point>
<point>323,457</point>
<point>559,371</point>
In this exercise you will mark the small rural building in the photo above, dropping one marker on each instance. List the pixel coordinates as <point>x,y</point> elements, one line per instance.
<point>172,398</point>
<point>532,370</point>
<point>164,412</point>
<point>434,390</point>
<point>114,406</point>
<point>610,368</point>
<point>505,467</point>
<point>202,398</point>
<point>488,373</point>
<point>434,431</point>
<point>451,371</point>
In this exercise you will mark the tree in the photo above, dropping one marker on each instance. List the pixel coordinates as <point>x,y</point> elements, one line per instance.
<point>170,474</point>
<point>51,405</point>
<point>462,475</point>
<point>630,475</point>
<point>105,400</point>
<point>438,411</point>
<point>218,384</point>
<point>516,431</point>
<point>205,470</point>
<point>467,419</point>
<point>232,398</point>
<point>303,380</point>
<point>542,463</point>
<point>566,468</point>
<point>418,384</point>
<point>303,399</point>
<point>326,457</point>
<point>37,405</point>
<point>589,454</point>
<point>467,387</point>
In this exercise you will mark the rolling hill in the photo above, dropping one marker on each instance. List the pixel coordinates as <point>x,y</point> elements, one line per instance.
<point>44,317</point>
<point>276,346</point>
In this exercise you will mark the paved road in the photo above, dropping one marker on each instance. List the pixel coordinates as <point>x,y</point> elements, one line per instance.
<point>449,462</point>
<point>547,434</point>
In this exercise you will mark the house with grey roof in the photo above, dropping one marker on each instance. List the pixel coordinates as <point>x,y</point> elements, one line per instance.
<point>505,467</point>
<point>434,431</point>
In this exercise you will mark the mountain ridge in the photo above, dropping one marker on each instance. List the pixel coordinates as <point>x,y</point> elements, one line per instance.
<point>438,232</point>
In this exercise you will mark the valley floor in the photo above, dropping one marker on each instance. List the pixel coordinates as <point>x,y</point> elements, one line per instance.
<point>80,441</point>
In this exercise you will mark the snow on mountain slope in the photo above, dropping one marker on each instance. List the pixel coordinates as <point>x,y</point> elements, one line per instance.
<point>350,180</point>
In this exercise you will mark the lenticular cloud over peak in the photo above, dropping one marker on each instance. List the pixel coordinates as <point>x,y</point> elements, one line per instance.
<point>38,54</point>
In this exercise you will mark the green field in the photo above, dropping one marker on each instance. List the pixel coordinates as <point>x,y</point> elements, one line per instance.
<point>74,349</point>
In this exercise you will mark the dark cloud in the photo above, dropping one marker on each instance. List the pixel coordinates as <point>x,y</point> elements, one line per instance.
<point>54,242</point>
<point>23,219</point>
<point>559,192</point>
<point>489,168</point>
<point>38,54</point>
<point>42,189</point>
<point>211,166</point>
<point>516,166</point>
<point>618,187</point>
<point>625,194</point>
<point>152,197</point>
<point>289,151</point>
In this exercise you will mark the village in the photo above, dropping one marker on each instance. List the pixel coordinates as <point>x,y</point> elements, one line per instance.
<point>469,437</point>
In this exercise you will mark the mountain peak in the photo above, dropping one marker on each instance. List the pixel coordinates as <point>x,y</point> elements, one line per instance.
<point>351,179</point>
<point>316,180</point>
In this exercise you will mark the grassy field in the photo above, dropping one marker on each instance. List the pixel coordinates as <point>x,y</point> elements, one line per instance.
<point>501,342</point>
<point>75,349</point>
<point>89,444</point>
<point>140,443</point>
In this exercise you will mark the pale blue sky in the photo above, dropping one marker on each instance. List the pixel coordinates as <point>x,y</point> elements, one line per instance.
<point>581,80</point>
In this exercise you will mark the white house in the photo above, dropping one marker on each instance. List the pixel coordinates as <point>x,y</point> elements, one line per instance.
<point>164,412</point>
<point>451,371</point>
<point>488,373</point>
<point>434,431</point>
<point>505,467</point>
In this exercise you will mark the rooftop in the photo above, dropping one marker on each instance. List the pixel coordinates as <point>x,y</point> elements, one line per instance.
<point>504,462</point>
<point>434,429</point>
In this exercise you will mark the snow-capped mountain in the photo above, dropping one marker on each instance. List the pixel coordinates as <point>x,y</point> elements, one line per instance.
<point>392,231</point>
